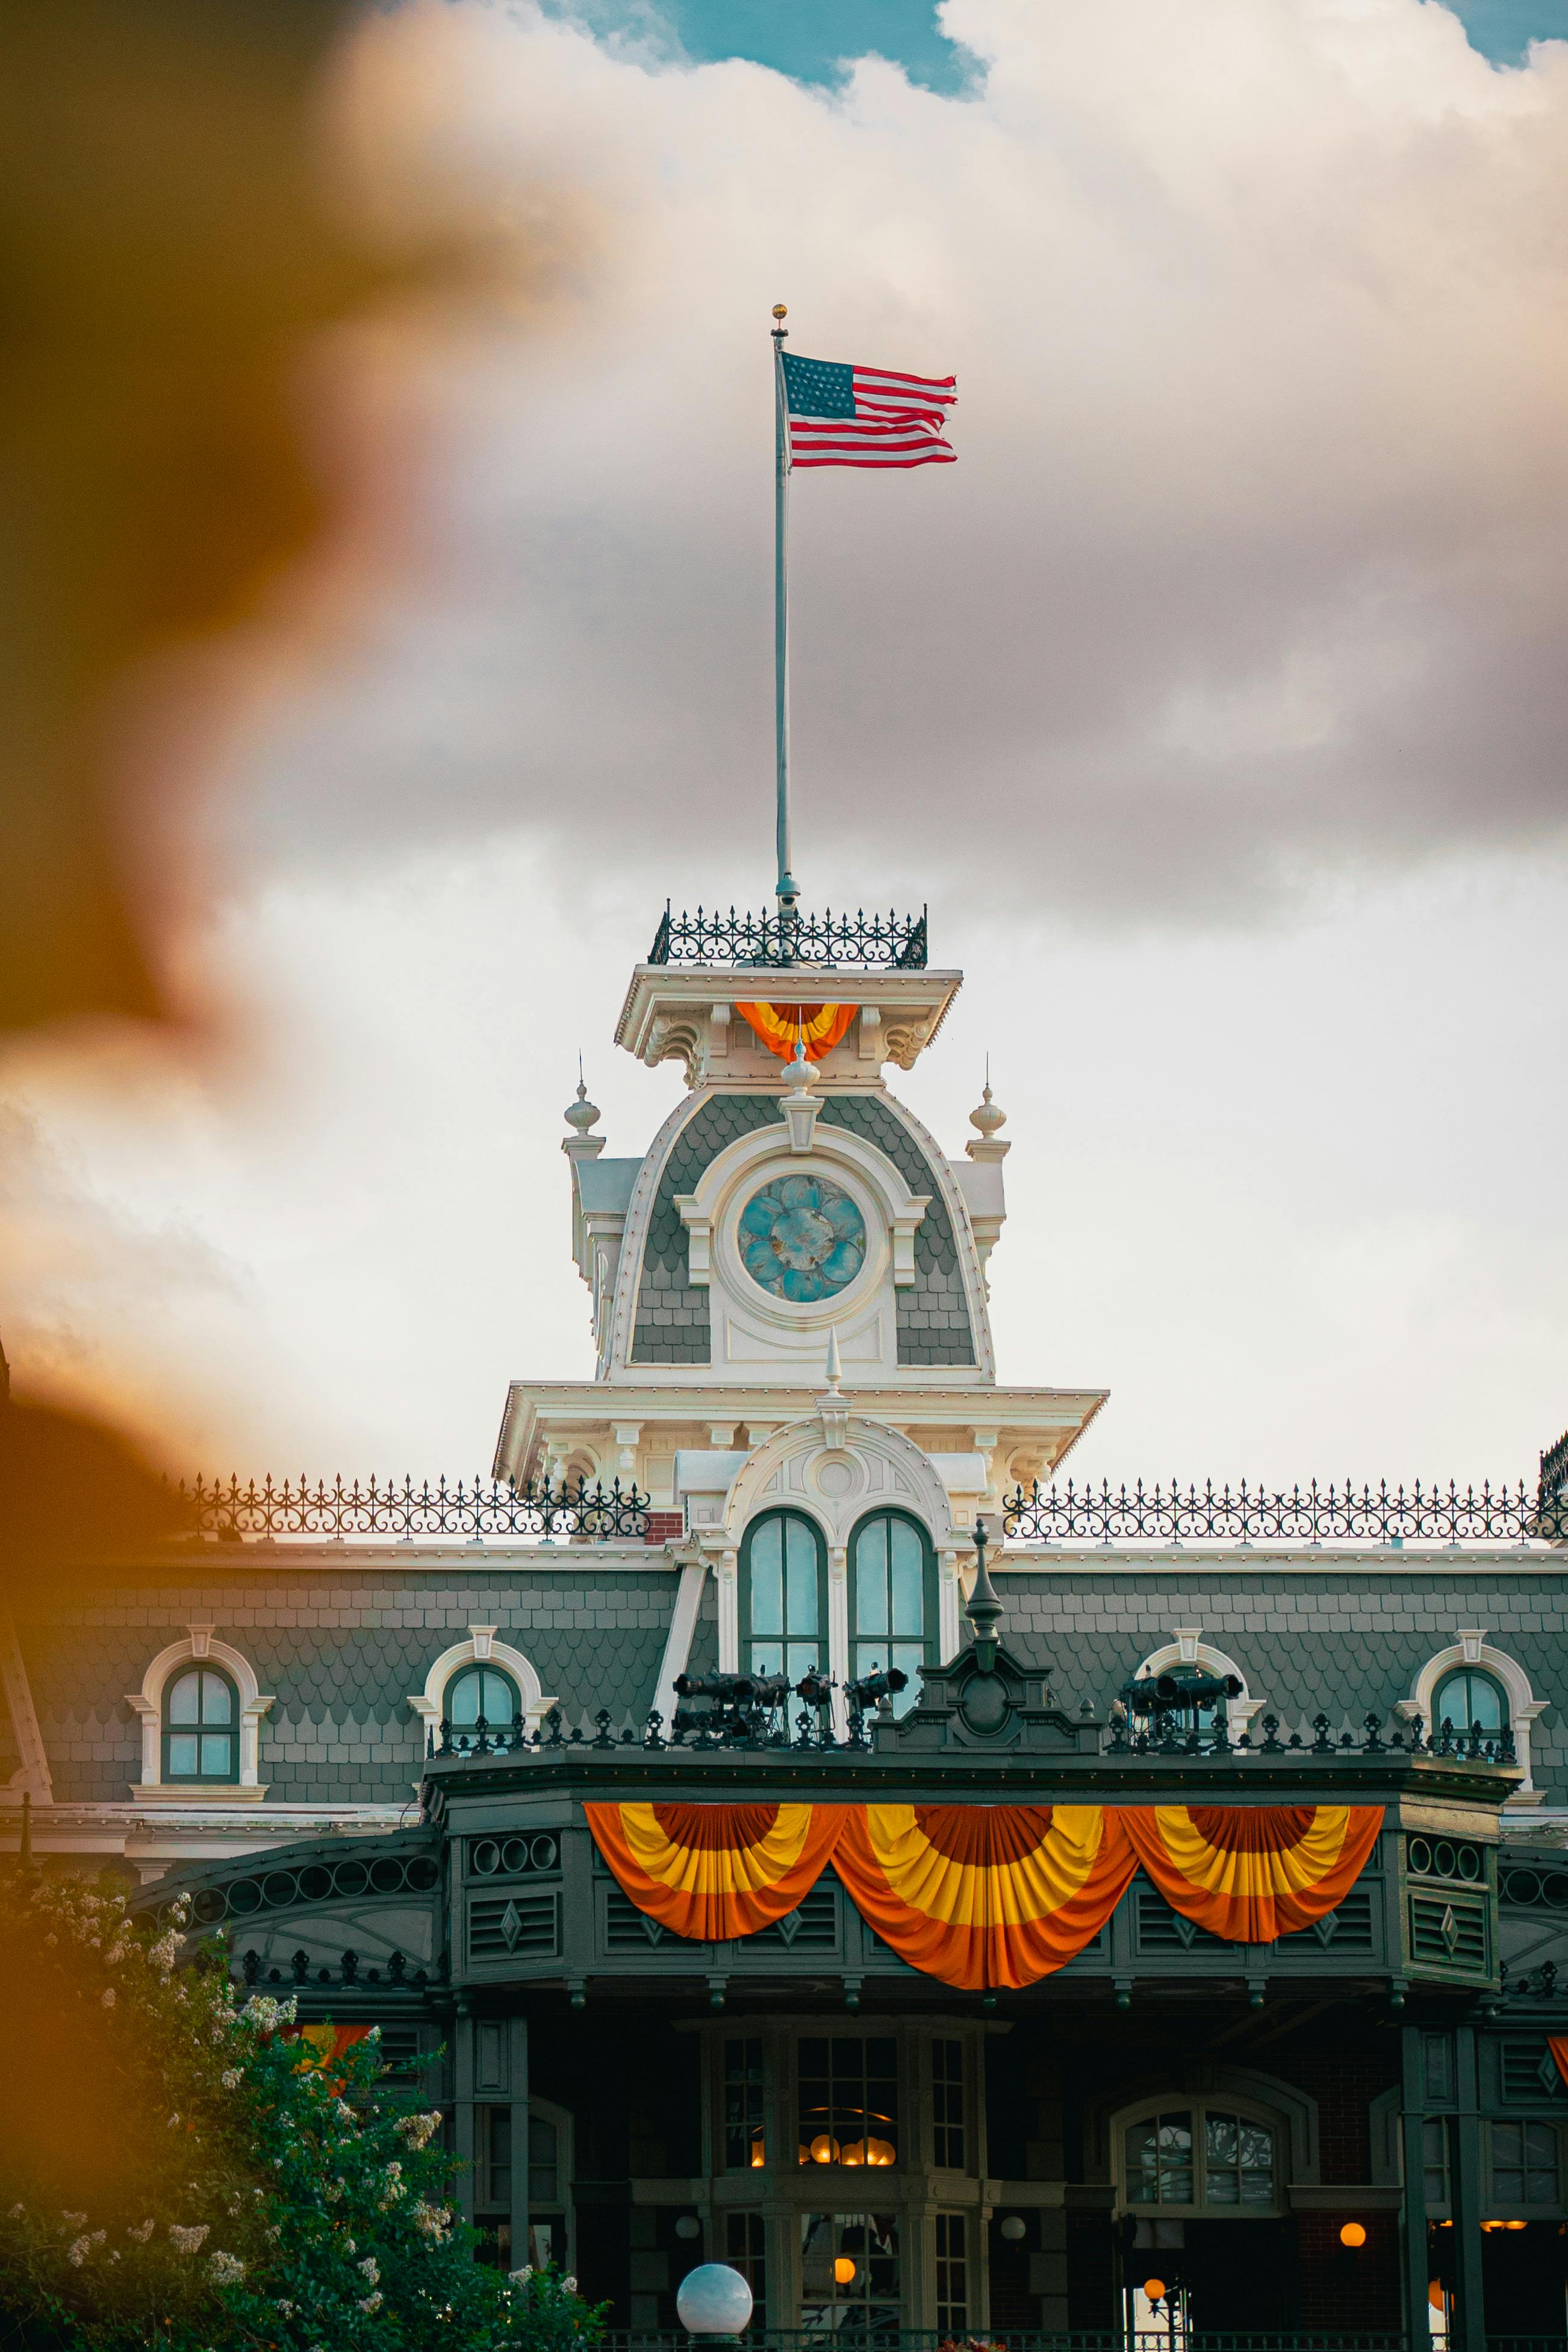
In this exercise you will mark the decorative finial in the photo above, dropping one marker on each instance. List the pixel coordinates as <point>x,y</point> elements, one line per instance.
<point>780,311</point>
<point>582,1114</point>
<point>986,1116</point>
<point>834,1370</point>
<point>985,1610</point>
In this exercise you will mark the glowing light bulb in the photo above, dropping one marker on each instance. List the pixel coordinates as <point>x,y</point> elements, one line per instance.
<point>1352,2234</point>
<point>844,2271</point>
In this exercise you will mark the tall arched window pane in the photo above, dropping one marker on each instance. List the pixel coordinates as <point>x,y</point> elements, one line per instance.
<point>893,1601</point>
<point>200,1727</point>
<point>782,1629</point>
<point>1467,1698</point>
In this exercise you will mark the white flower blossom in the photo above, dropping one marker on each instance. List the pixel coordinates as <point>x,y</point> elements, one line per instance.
<point>17,2210</point>
<point>230,2078</point>
<point>224,2270</point>
<point>140,2231</point>
<point>74,2220</point>
<point>78,2252</point>
<point>188,2241</point>
<point>430,2221</point>
<point>521,2277</point>
<point>419,2130</point>
<point>163,1953</point>
<point>172,2121</point>
<point>369,2271</point>
<point>274,2232</point>
<point>284,2309</point>
<point>570,2284</point>
<point>372,2301</point>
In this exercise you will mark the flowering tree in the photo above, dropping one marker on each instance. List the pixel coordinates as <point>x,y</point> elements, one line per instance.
<point>175,2172</point>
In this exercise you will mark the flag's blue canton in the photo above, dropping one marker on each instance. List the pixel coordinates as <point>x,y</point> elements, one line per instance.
<point>819,388</point>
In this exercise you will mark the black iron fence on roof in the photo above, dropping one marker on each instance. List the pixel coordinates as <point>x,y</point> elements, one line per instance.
<point>409,1510</point>
<point>1309,1515</point>
<point>898,941</point>
<point>747,1728</point>
<point>873,2337</point>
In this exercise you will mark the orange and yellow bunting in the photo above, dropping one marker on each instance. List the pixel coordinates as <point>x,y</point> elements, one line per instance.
<point>711,1872</point>
<point>1249,1873</point>
<point>325,2044</point>
<point>985,1895</point>
<point>780,1026</point>
<point>1558,2045</point>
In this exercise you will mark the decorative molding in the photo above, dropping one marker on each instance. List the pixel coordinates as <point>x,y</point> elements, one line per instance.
<point>1471,1648</point>
<point>198,1644</point>
<point>482,1648</point>
<point>33,1773</point>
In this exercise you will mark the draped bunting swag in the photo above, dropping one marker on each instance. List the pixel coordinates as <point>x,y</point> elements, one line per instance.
<point>779,1026</point>
<point>712,1871</point>
<point>985,1895</point>
<point>1251,1873</point>
<point>1558,2045</point>
<point>988,1895</point>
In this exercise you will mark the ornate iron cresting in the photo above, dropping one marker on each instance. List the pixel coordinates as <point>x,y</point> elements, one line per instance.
<point>1554,1467</point>
<point>1309,1515</point>
<point>233,1508</point>
<point>786,938</point>
<point>1168,1735</point>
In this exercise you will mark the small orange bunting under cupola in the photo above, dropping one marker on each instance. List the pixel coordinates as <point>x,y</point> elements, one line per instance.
<point>818,1027</point>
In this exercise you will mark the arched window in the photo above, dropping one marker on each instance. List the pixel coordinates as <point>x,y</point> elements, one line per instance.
<point>1188,2157</point>
<point>1467,1698</point>
<point>783,1596</point>
<point>201,1727</point>
<point>892,1600</point>
<point>482,1690</point>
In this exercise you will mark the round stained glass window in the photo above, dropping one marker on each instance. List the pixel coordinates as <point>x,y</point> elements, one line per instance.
<point>802,1237</point>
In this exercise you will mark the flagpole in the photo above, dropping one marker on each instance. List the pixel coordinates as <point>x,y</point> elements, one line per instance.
<point>788,892</point>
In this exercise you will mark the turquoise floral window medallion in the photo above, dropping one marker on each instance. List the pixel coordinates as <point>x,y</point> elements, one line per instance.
<point>802,1237</point>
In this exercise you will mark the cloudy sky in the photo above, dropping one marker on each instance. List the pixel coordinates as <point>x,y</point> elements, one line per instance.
<point>1215,700</point>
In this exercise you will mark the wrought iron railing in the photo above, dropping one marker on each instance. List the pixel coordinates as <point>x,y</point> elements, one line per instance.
<point>406,1510</point>
<point>731,1730</point>
<point>848,2337</point>
<point>712,936</point>
<point>1309,1515</point>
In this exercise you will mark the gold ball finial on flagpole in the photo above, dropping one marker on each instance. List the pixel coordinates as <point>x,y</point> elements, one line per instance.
<point>780,311</point>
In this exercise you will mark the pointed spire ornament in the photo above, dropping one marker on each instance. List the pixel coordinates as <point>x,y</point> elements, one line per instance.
<point>985,1610</point>
<point>582,1114</point>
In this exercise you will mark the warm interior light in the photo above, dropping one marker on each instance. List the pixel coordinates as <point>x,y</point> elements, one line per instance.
<point>844,2271</point>
<point>1155,2290</point>
<point>758,2156</point>
<point>853,2152</point>
<point>824,2149</point>
<point>881,2151</point>
<point>1516,2225</point>
<point>1435,2293</point>
<point>1352,2234</point>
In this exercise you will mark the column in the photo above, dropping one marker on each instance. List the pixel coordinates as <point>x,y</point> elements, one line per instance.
<point>466,2138</point>
<point>1465,2156</point>
<point>1415,2265</point>
<point>517,2028</point>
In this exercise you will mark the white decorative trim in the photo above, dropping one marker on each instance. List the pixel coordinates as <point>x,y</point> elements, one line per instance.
<point>148,1702</point>
<point>33,1773</point>
<point>1187,1648</point>
<point>677,1641</point>
<point>482,1648</point>
<point>1472,1648</point>
<point>747,1163</point>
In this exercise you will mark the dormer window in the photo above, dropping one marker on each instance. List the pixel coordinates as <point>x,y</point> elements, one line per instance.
<point>1471,1700</point>
<point>482,1690</point>
<point>201,1727</point>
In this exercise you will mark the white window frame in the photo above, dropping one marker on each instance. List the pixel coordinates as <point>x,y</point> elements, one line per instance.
<point>1472,1648</point>
<point>482,1648</point>
<point>1199,2105</point>
<point>199,1647</point>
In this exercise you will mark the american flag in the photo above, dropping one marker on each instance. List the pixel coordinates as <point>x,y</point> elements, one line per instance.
<point>844,416</point>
